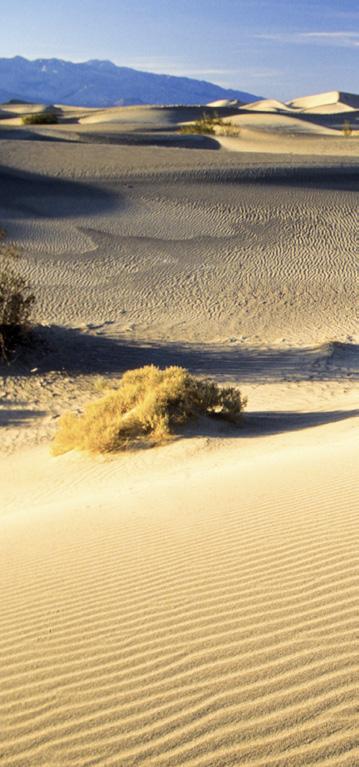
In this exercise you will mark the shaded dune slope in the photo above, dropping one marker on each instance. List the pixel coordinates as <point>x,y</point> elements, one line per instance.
<point>220,241</point>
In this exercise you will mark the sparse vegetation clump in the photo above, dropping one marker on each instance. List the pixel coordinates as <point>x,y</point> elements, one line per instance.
<point>347,128</point>
<point>16,301</point>
<point>205,125</point>
<point>210,126</point>
<point>40,118</point>
<point>143,409</point>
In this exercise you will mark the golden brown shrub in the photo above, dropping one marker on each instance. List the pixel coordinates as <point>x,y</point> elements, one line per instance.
<point>144,408</point>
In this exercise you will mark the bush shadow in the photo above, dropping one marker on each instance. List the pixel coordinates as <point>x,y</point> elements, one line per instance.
<point>76,352</point>
<point>262,424</point>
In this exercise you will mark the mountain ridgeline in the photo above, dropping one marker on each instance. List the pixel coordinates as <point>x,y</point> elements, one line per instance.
<point>102,84</point>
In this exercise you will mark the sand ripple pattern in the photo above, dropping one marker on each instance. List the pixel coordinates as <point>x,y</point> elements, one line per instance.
<point>217,632</point>
<point>207,254</point>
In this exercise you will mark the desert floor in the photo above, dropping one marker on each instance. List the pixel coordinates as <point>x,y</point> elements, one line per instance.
<point>197,603</point>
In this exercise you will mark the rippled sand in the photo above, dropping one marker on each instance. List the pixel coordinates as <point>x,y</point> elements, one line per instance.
<point>194,604</point>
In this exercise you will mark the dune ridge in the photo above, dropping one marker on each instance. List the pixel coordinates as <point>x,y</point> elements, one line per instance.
<point>322,111</point>
<point>331,98</point>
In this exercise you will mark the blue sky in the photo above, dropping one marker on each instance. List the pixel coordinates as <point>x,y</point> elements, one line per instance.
<point>281,48</point>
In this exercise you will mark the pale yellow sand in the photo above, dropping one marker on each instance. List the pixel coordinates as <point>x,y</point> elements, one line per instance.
<point>262,136</point>
<point>185,606</point>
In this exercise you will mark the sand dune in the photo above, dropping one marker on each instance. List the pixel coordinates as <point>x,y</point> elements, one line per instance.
<point>326,100</point>
<point>195,604</point>
<point>323,114</point>
<point>226,103</point>
<point>217,234</point>
<point>144,116</point>
<point>22,108</point>
<point>268,105</point>
<point>267,126</point>
<point>266,140</point>
<point>282,123</point>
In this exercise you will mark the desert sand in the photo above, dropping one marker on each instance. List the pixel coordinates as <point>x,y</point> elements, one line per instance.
<point>197,603</point>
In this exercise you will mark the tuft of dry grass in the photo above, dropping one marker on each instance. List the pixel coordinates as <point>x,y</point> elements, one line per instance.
<point>144,408</point>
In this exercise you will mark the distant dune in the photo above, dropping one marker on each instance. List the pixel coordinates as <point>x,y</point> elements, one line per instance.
<point>311,125</point>
<point>268,105</point>
<point>330,100</point>
<point>226,103</point>
<point>321,103</point>
<point>153,116</point>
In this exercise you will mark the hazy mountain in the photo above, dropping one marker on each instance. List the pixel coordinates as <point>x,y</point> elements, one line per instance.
<point>101,84</point>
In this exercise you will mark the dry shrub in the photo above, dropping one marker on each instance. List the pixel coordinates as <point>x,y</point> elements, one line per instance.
<point>210,126</point>
<point>228,129</point>
<point>144,408</point>
<point>203,126</point>
<point>40,118</point>
<point>16,301</point>
<point>347,128</point>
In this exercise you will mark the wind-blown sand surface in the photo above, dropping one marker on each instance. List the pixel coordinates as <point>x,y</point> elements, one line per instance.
<point>201,611</point>
<point>194,604</point>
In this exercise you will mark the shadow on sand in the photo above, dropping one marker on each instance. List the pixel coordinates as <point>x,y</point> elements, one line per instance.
<point>76,352</point>
<point>167,140</point>
<point>16,415</point>
<point>267,423</point>
<point>30,194</point>
<point>263,424</point>
<point>327,177</point>
<point>21,134</point>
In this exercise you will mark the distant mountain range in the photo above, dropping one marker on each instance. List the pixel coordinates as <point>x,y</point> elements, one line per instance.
<point>102,84</point>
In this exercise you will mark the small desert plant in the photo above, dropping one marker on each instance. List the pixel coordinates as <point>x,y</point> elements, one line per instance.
<point>143,408</point>
<point>228,129</point>
<point>204,125</point>
<point>40,118</point>
<point>347,128</point>
<point>16,301</point>
<point>210,125</point>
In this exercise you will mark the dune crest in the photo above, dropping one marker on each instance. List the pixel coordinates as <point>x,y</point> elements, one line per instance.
<point>331,98</point>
